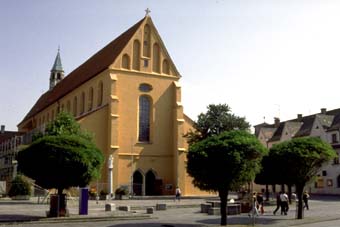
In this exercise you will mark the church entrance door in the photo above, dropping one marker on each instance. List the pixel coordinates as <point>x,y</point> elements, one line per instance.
<point>150,183</point>
<point>137,183</point>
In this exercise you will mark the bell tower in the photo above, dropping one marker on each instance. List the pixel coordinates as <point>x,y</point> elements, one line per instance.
<point>57,72</point>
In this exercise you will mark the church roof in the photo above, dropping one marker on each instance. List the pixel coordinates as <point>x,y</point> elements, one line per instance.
<point>89,69</point>
<point>57,63</point>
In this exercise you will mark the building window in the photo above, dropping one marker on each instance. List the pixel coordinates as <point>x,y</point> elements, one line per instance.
<point>52,115</point>
<point>166,68</point>
<point>68,106</point>
<point>334,138</point>
<point>100,94</point>
<point>146,63</point>
<point>126,61</point>
<point>156,58</point>
<point>145,87</point>
<point>136,55</point>
<point>75,106</point>
<point>338,181</point>
<point>82,103</point>
<point>144,118</point>
<point>90,99</point>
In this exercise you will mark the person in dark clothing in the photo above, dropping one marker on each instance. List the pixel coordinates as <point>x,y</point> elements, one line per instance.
<point>259,199</point>
<point>278,203</point>
<point>305,198</point>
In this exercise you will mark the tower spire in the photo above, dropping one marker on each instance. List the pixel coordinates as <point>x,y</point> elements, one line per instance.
<point>57,71</point>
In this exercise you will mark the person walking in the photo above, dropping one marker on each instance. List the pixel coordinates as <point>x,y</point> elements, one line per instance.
<point>260,202</point>
<point>278,203</point>
<point>178,194</point>
<point>284,203</point>
<point>305,198</point>
<point>254,211</point>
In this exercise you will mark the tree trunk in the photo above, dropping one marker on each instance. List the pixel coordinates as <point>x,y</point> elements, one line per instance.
<point>223,193</point>
<point>299,192</point>
<point>267,193</point>
<point>290,193</point>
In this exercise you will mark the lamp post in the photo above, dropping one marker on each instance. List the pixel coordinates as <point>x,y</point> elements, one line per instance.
<point>110,167</point>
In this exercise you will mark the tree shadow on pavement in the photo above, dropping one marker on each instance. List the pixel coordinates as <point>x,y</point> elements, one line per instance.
<point>18,218</point>
<point>243,220</point>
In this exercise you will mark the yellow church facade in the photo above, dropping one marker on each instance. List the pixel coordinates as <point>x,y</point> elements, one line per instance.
<point>129,97</point>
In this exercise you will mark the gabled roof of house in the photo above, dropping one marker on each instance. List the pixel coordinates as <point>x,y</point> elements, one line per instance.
<point>92,67</point>
<point>278,133</point>
<point>306,127</point>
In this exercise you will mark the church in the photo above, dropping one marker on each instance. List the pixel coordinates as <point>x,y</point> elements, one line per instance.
<point>128,96</point>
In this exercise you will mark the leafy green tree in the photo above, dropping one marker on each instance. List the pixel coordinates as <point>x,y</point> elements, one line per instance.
<point>300,160</point>
<point>216,120</point>
<point>19,186</point>
<point>223,162</point>
<point>64,157</point>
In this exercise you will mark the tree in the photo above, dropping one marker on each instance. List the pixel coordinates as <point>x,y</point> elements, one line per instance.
<point>64,157</point>
<point>223,162</point>
<point>301,159</point>
<point>216,120</point>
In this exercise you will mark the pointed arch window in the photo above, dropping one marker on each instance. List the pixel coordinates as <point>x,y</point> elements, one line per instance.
<point>147,39</point>
<point>100,94</point>
<point>144,118</point>
<point>156,58</point>
<point>136,55</point>
<point>82,103</point>
<point>126,61</point>
<point>90,101</point>
<point>75,106</point>
<point>166,68</point>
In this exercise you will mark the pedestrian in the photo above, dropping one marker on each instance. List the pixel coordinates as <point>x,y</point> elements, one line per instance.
<point>178,194</point>
<point>254,210</point>
<point>284,203</point>
<point>260,202</point>
<point>278,203</point>
<point>305,198</point>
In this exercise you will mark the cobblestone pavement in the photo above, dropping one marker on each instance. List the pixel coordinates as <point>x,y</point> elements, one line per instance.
<point>324,211</point>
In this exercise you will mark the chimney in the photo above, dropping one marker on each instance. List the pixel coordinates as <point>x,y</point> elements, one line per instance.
<point>299,117</point>
<point>323,110</point>
<point>276,122</point>
<point>2,129</point>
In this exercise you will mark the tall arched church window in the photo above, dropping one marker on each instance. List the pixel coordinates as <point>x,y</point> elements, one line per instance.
<point>82,103</point>
<point>166,68</point>
<point>126,61</point>
<point>75,106</point>
<point>136,55</point>
<point>156,58</point>
<point>144,118</point>
<point>147,39</point>
<point>48,117</point>
<point>100,94</point>
<point>90,101</point>
<point>68,106</point>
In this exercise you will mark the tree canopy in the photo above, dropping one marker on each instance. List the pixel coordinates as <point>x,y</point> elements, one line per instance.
<point>299,161</point>
<point>223,162</point>
<point>216,120</point>
<point>62,158</point>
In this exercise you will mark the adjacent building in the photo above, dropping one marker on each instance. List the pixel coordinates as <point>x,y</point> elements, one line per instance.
<point>325,125</point>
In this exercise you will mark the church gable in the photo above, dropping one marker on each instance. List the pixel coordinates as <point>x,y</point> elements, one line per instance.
<point>146,53</point>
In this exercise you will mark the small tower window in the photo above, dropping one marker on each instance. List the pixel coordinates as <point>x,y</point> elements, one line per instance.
<point>82,103</point>
<point>68,106</point>
<point>147,39</point>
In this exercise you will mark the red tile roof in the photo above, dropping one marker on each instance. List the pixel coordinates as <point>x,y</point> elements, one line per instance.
<point>89,69</point>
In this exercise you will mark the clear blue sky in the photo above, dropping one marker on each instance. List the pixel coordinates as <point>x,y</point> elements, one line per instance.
<point>264,58</point>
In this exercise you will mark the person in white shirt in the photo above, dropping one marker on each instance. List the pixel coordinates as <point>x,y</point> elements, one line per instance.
<point>284,203</point>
